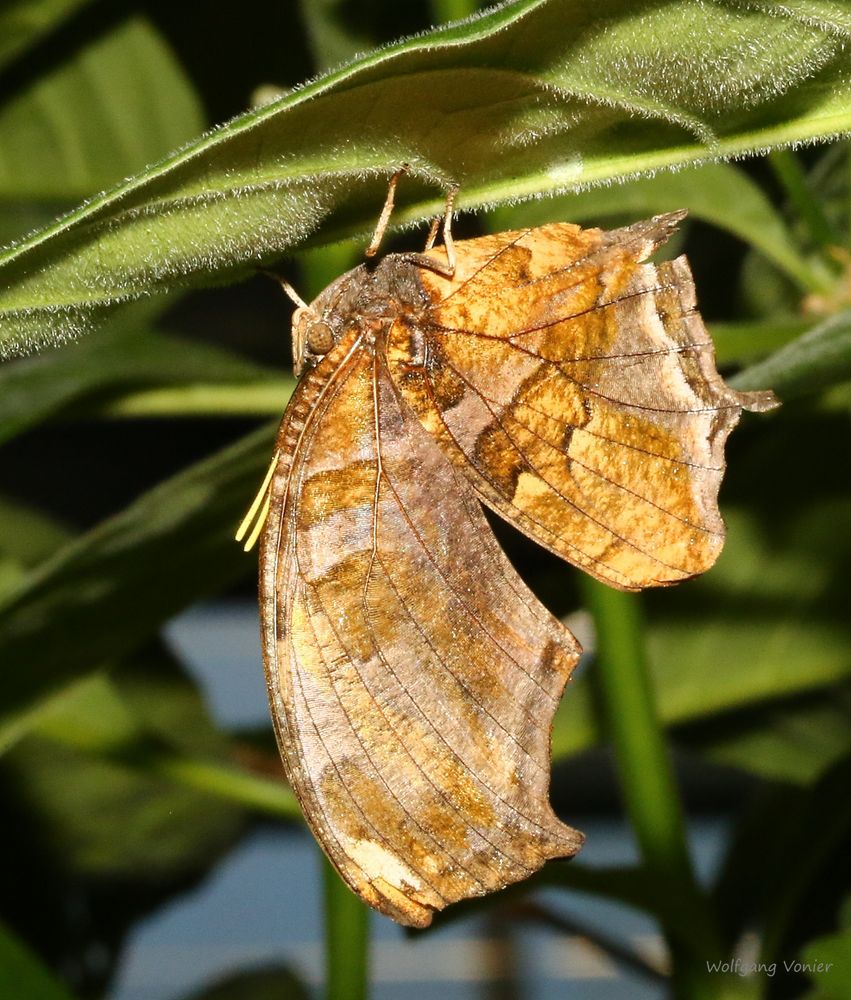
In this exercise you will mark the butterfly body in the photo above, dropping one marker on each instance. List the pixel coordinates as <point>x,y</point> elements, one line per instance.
<point>413,677</point>
<point>370,299</point>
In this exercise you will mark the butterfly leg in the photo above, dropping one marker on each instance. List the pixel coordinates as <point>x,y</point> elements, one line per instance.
<point>432,233</point>
<point>386,212</point>
<point>447,267</point>
<point>448,242</point>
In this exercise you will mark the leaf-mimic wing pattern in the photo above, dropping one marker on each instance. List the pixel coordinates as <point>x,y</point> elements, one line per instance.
<point>574,385</point>
<point>413,676</point>
<point>562,379</point>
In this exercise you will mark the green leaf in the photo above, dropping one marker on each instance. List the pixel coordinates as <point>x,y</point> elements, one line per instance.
<point>767,622</point>
<point>22,973</point>
<point>105,814</point>
<point>115,585</point>
<point>745,342</point>
<point>818,359</point>
<point>24,22</point>
<point>827,957</point>
<point>145,720</point>
<point>795,740</point>
<point>109,818</point>
<point>763,623</point>
<point>453,10</point>
<point>259,398</point>
<point>114,107</point>
<point>27,538</point>
<point>104,831</point>
<point>79,111</point>
<point>331,39</point>
<point>137,721</point>
<point>803,200</point>
<point>529,98</point>
<point>126,355</point>
<point>718,193</point>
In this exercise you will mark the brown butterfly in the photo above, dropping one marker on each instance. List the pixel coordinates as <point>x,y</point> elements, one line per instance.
<point>552,374</point>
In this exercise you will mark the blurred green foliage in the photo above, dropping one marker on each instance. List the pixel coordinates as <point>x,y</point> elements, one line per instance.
<point>116,783</point>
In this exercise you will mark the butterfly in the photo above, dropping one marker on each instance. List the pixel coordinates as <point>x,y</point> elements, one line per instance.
<point>552,374</point>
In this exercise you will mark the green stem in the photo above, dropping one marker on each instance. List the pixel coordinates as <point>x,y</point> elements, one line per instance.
<point>346,939</point>
<point>264,795</point>
<point>648,784</point>
<point>788,170</point>
<point>196,399</point>
<point>220,778</point>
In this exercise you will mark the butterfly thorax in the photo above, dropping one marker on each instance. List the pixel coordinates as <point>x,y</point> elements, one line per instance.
<point>369,298</point>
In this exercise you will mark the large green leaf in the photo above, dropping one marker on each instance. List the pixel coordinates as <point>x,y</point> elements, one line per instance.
<point>108,815</point>
<point>101,830</point>
<point>817,359</point>
<point>112,108</point>
<point>531,97</point>
<point>24,22</point>
<point>332,41</point>
<point>89,120</point>
<point>118,583</point>
<point>718,193</point>
<point>766,623</point>
<point>147,720</point>
<point>146,723</point>
<point>746,341</point>
<point>126,355</point>
<point>27,538</point>
<point>794,739</point>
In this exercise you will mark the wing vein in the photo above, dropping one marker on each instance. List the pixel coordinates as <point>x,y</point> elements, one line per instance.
<point>519,451</point>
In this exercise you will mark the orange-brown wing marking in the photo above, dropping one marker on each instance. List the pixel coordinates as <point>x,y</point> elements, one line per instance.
<point>413,677</point>
<point>575,386</point>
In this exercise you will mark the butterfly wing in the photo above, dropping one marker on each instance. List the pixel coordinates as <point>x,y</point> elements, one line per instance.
<point>575,386</point>
<point>413,677</point>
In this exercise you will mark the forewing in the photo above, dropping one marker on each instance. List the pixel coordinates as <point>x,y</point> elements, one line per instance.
<point>412,675</point>
<point>575,385</point>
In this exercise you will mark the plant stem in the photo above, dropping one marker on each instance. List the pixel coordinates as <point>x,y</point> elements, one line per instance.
<point>648,784</point>
<point>346,939</point>
<point>788,170</point>
<point>632,723</point>
<point>195,399</point>
<point>265,795</point>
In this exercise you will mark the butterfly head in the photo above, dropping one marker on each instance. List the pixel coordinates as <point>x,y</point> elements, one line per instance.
<point>313,337</point>
<point>314,327</point>
<point>319,326</point>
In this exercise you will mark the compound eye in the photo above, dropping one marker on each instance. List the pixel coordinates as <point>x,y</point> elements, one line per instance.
<point>320,337</point>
